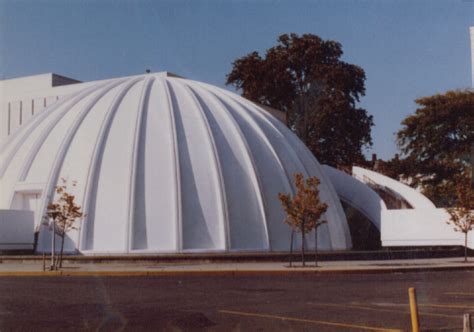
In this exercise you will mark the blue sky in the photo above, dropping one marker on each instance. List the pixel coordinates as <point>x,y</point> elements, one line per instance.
<point>408,49</point>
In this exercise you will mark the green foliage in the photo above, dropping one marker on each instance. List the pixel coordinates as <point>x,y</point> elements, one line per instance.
<point>304,77</point>
<point>435,142</point>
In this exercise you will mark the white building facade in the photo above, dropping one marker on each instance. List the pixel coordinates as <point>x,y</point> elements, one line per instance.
<point>471,31</point>
<point>170,165</point>
<point>22,98</point>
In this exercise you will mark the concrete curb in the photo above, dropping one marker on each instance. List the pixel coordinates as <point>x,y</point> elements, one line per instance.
<point>242,257</point>
<point>241,272</point>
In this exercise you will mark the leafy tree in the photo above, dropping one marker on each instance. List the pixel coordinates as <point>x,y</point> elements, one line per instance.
<point>462,215</point>
<point>435,142</point>
<point>304,210</point>
<point>63,214</point>
<point>304,77</point>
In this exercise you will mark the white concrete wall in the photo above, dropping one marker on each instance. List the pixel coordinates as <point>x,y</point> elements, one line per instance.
<point>420,227</point>
<point>424,225</point>
<point>16,229</point>
<point>22,98</point>
<point>15,113</point>
<point>471,30</point>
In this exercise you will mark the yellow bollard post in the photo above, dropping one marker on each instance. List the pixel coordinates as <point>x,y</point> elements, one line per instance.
<point>415,323</point>
<point>466,323</point>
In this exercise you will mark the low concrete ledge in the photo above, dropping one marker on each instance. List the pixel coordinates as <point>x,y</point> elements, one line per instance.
<point>237,269</point>
<point>386,254</point>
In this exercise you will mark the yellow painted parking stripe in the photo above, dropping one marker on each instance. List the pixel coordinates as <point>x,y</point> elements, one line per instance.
<point>459,293</point>
<point>450,306</point>
<point>311,321</point>
<point>408,312</point>
<point>433,305</point>
<point>364,307</point>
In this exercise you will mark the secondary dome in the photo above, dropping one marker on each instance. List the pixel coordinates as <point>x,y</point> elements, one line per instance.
<point>164,164</point>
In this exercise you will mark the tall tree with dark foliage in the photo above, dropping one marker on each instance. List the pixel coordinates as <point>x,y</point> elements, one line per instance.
<point>436,143</point>
<point>305,77</point>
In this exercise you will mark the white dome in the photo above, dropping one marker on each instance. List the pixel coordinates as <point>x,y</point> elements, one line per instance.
<point>164,164</point>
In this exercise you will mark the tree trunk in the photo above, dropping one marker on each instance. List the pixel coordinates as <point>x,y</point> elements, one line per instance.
<point>302,242</point>
<point>316,246</point>
<point>465,247</point>
<point>62,251</point>
<point>53,246</point>
<point>291,247</point>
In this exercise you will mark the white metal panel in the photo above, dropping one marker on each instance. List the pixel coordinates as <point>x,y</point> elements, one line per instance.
<point>156,214</point>
<point>80,151</point>
<point>43,161</point>
<point>110,207</point>
<point>201,216</point>
<point>270,170</point>
<point>72,161</point>
<point>245,207</point>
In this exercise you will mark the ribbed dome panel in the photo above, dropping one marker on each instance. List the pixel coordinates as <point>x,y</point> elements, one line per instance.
<point>155,225</point>
<point>244,202</point>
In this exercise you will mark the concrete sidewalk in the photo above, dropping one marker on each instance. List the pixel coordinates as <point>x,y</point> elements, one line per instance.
<point>35,268</point>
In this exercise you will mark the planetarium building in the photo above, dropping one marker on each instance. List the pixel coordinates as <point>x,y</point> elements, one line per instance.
<point>163,164</point>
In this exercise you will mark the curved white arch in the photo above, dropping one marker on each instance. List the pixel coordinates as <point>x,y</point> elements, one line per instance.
<point>357,194</point>
<point>416,199</point>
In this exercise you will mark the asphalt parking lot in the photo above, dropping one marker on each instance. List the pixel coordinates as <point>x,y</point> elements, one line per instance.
<point>350,302</point>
